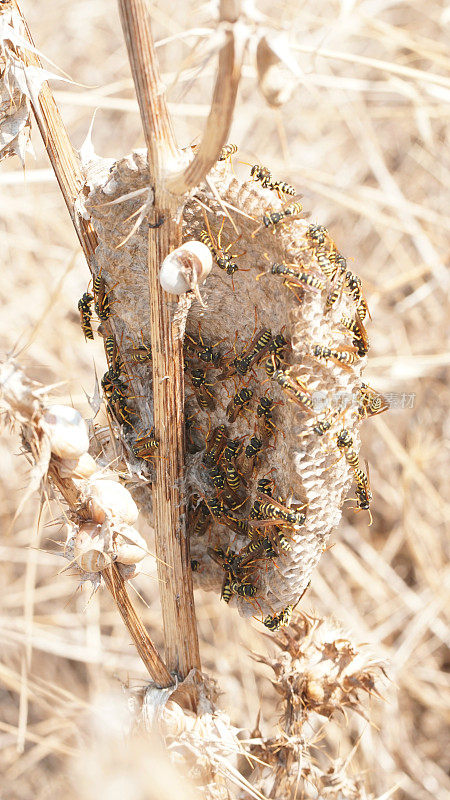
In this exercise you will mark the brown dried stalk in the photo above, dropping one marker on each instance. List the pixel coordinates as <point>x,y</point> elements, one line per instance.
<point>172,548</point>
<point>221,114</point>
<point>167,328</point>
<point>60,152</point>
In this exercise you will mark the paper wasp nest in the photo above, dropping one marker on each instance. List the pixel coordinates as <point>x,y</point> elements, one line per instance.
<point>304,469</point>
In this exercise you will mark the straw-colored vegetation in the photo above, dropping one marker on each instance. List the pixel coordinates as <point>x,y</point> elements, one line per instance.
<point>364,137</point>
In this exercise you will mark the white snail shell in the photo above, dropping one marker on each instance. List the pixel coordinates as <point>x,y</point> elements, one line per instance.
<point>107,498</point>
<point>82,467</point>
<point>129,546</point>
<point>185,268</point>
<point>89,548</point>
<point>66,430</point>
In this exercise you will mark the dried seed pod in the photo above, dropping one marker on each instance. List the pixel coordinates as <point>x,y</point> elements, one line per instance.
<point>129,546</point>
<point>82,467</point>
<point>66,430</point>
<point>276,74</point>
<point>185,268</point>
<point>89,546</point>
<point>107,498</point>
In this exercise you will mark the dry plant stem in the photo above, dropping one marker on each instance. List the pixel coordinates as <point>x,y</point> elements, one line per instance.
<point>116,585</point>
<point>141,639</point>
<point>61,154</point>
<point>172,547</point>
<point>70,180</point>
<point>221,114</point>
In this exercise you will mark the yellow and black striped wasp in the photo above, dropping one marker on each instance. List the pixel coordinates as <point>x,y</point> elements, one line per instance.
<point>84,307</point>
<point>255,351</point>
<point>238,403</point>
<point>215,444</point>
<point>345,357</point>
<point>293,277</point>
<point>370,402</point>
<point>203,389</point>
<point>145,445</point>
<point>200,519</point>
<point>227,151</point>
<point>101,298</point>
<point>290,210</point>
<point>294,389</point>
<point>356,327</point>
<point>223,258</point>
<point>201,349</point>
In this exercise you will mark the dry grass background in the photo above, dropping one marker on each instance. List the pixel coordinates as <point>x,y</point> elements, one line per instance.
<point>365,138</point>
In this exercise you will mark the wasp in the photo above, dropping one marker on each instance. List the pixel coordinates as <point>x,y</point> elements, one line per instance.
<point>117,404</point>
<point>322,427</point>
<point>101,298</point>
<point>283,188</point>
<point>195,565</point>
<point>277,354</point>
<point>335,294</point>
<point>276,621</point>
<point>217,477</point>
<point>202,350</point>
<point>204,390</point>
<point>341,356</point>
<point>84,307</point>
<point>291,386</point>
<point>266,425</point>
<point>356,327</point>
<point>215,445</point>
<point>255,351</point>
<point>145,445</point>
<point>141,354</point>
<point>200,520</point>
<point>344,442</point>
<point>223,258</point>
<point>251,453</point>
<point>270,512</point>
<point>227,151</point>
<point>317,234</point>
<point>363,492</point>
<point>216,507</point>
<point>243,589</point>
<point>111,352</point>
<point>262,174</point>
<point>111,382</point>
<point>265,486</point>
<point>273,218</point>
<point>278,346</point>
<point>240,401</point>
<point>296,278</point>
<point>353,284</point>
<point>260,547</point>
<point>371,403</point>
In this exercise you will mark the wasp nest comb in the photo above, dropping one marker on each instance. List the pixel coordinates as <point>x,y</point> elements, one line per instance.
<point>274,348</point>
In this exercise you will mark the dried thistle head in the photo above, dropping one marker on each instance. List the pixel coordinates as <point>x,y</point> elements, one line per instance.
<point>241,298</point>
<point>318,670</point>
